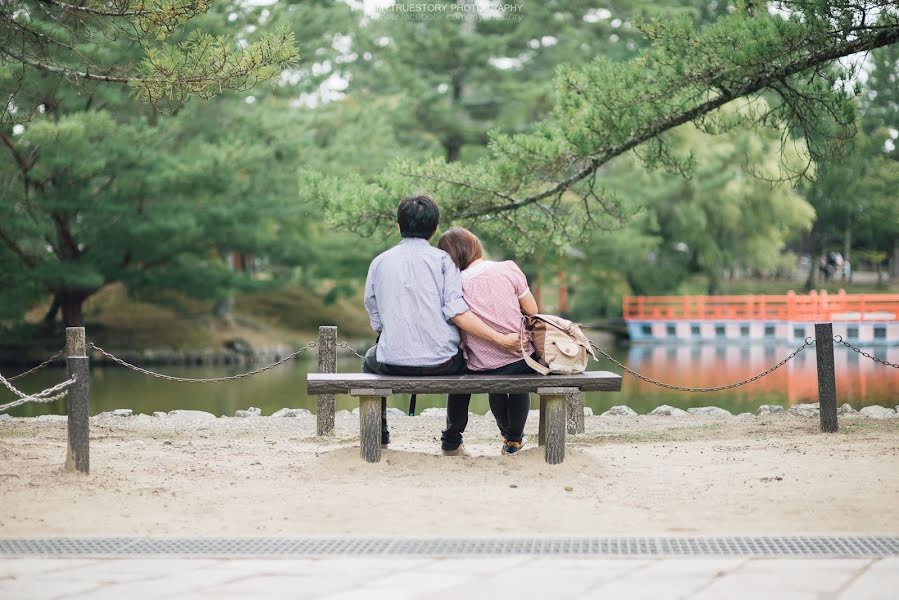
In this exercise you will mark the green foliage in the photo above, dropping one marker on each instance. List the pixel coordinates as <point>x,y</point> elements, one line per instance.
<point>205,65</point>
<point>150,46</point>
<point>551,174</point>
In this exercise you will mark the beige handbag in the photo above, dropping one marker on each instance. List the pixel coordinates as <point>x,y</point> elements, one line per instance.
<point>560,345</point>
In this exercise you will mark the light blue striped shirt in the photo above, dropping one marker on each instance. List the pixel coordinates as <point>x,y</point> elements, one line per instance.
<point>411,293</point>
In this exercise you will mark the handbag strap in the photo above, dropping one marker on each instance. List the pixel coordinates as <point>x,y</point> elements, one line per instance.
<point>527,359</point>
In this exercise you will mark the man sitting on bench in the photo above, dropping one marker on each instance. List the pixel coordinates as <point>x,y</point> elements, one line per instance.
<point>413,295</point>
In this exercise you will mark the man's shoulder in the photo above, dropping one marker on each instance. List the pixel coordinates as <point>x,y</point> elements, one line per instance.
<point>399,250</point>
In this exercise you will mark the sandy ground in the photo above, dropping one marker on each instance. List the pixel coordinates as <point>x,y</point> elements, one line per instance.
<point>625,475</point>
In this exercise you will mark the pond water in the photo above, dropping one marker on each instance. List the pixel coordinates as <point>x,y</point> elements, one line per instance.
<point>860,382</point>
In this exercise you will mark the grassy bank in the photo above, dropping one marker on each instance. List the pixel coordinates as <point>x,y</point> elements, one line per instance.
<point>116,320</point>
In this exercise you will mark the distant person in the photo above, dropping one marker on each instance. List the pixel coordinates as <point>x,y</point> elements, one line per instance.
<point>825,265</point>
<point>498,293</point>
<point>413,295</point>
<point>847,270</point>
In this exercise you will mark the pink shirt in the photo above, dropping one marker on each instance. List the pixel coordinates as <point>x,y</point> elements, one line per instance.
<point>492,290</point>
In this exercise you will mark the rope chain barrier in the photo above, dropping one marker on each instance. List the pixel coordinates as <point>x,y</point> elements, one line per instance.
<point>37,368</point>
<point>351,349</point>
<point>128,365</point>
<point>839,339</point>
<point>808,342</point>
<point>45,396</point>
<point>42,397</point>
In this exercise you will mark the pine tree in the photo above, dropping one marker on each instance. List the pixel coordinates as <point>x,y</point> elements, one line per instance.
<point>550,179</point>
<point>154,50</point>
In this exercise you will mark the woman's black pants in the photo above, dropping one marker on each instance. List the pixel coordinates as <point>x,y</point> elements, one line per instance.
<point>509,410</point>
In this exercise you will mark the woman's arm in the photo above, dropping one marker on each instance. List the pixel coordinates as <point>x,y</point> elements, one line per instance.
<point>528,304</point>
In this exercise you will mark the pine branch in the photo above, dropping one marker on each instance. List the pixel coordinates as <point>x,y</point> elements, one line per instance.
<point>65,71</point>
<point>21,161</point>
<point>883,36</point>
<point>16,249</point>
<point>86,10</point>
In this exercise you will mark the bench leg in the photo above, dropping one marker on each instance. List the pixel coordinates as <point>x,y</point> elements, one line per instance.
<point>541,425</point>
<point>370,428</point>
<point>554,427</point>
<point>576,413</point>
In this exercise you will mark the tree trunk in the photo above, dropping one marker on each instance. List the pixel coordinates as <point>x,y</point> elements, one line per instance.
<point>813,262</point>
<point>53,311</point>
<point>847,242</point>
<point>452,146</point>
<point>894,263</point>
<point>72,314</point>
<point>563,288</point>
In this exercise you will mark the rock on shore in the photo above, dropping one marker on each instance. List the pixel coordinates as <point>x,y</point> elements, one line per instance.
<point>433,412</point>
<point>769,409</point>
<point>292,412</point>
<point>119,412</point>
<point>805,410</point>
<point>668,411</point>
<point>620,411</point>
<point>250,412</point>
<point>711,411</point>
<point>878,412</point>
<point>191,415</point>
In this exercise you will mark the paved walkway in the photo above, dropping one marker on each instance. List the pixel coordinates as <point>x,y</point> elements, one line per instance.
<point>400,578</point>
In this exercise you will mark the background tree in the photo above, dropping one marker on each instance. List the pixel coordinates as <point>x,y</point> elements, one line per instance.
<point>51,45</point>
<point>607,109</point>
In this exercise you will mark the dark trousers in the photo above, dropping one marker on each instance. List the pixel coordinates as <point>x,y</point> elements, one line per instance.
<point>509,410</point>
<point>455,425</point>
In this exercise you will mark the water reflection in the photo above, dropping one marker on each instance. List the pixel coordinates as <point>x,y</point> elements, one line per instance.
<point>860,382</point>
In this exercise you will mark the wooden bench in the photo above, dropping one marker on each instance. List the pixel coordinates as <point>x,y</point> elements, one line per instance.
<point>553,391</point>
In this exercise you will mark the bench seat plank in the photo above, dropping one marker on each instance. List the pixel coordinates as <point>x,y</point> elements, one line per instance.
<point>342,383</point>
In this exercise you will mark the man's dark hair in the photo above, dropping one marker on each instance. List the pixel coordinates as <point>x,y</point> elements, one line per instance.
<point>418,216</point>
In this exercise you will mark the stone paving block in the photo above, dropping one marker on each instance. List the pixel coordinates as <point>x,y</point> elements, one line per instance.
<point>281,586</point>
<point>542,579</point>
<point>39,589</point>
<point>193,578</point>
<point>411,584</point>
<point>879,582</point>
<point>771,577</point>
<point>480,565</point>
<point>666,578</point>
<point>20,568</point>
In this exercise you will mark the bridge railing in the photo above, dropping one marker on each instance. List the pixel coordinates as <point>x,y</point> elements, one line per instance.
<point>815,306</point>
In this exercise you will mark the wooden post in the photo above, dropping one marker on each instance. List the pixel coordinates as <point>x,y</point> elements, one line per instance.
<point>370,422</point>
<point>576,413</point>
<point>77,401</point>
<point>827,385</point>
<point>327,363</point>
<point>541,425</point>
<point>554,429</point>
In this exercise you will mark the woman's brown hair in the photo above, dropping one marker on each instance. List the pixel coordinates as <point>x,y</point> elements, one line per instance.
<point>463,246</point>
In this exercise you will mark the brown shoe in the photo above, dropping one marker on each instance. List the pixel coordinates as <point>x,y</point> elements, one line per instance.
<point>512,447</point>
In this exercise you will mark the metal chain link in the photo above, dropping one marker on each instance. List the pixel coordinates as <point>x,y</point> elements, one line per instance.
<point>40,397</point>
<point>21,401</point>
<point>33,369</point>
<point>41,394</point>
<point>118,360</point>
<point>808,342</point>
<point>839,339</point>
<point>351,349</point>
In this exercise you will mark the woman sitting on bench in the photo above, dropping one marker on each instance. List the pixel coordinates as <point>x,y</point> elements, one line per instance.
<point>498,293</point>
